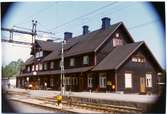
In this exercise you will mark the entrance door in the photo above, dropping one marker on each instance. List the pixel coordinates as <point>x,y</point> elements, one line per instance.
<point>142,85</point>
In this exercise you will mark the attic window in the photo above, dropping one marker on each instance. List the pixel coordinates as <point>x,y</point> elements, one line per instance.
<point>138,59</point>
<point>117,35</point>
<point>117,42</point>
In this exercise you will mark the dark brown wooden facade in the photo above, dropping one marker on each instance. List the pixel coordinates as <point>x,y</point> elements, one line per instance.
<point>106,67</point>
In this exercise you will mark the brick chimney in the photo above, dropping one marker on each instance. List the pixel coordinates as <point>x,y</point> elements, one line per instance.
<point>85,29</point>
<point>67,35</point>
<point>105,22</point>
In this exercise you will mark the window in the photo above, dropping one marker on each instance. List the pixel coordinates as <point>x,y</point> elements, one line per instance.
<point>51,82</point>
<point>45,66</point>
<point>36,67</point>
<point>86,59</point>
<point>149,80</point>
<point>72,62</point>
<point>102,80</point>
<point>134,59</point>
<point>28,69</point>
<point>138,59</point>
<point>117,42</point>
<point>117,35</point>
<point>40,67</point>
<point>32,67</point>
<point>128,80</point>
<point>89,81</point>
<point>39,54</point>
<point>51,65</point>
<point>67,81</point>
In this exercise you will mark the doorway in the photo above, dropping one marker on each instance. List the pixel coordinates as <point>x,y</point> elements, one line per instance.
<point>142,85</point>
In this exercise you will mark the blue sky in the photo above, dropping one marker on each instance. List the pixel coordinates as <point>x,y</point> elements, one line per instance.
<point>53,14</point>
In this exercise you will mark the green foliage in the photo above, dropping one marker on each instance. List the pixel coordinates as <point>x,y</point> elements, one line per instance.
<point>12,69</point>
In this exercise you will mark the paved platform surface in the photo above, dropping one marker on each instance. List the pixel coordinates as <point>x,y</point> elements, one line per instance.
<point>106,96</point>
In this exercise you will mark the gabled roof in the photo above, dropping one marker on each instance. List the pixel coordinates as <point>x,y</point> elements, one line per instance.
<point>120,54</point>
<point>85,43</point>
<point>48,45</point>
<point>117,56</point>
<point>29,61</point>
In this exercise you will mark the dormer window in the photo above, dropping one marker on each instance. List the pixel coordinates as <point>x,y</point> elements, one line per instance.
<point>85,59</point>
<point>117,42</point>
<point>72,62</point>
<point>39,54</point>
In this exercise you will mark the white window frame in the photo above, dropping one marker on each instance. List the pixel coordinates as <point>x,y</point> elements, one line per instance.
<point>117,35</point>
<point>36,67</point>
<point>102,80</point>
<point>89,81</point>
<point>40,66</point>
<point>40,53</point>
<point>85,59</point>
<point>72,61</point>
<point>28,69</point>
<point>148,79</point>
<point>128,80</point>
<point>51,65</point>
<point>134,59</point>
<point>45,66</point>
<point>32,67</point>
<point>117,42</point>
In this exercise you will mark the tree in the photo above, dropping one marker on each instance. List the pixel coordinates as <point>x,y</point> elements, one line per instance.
<point>12,69</point>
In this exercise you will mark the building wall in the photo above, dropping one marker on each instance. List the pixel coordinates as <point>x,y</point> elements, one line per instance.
<point>138,70</point>
<point>107,47</point>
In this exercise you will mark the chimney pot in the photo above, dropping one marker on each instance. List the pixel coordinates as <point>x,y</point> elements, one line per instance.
<point>105,22</point>
<point>85,29</point>
<point>67,35</point>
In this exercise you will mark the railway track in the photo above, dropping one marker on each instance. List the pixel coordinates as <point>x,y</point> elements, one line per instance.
<point>96,107</point>
<point>104,108</point>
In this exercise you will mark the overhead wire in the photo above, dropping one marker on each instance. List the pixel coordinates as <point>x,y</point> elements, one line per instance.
<point>27,19</point>
<point>89,13</point>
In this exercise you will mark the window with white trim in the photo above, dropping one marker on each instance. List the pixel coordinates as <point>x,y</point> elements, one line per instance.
<point>32,67</point>
<point>117,35</point>
<point>52,65</point>
<point>148,80</point>
<point>45,66</point>
<point>138,59</point>
<point>40,66</point>
<point>128,80</point>
<point>117,42</point>
<point>36,67</point>
<point>28,69</point>
<point>134,59</point>
<point>72,62</point>
<point>85,59</point>
<point>90,81</point>
<point>102,80</point>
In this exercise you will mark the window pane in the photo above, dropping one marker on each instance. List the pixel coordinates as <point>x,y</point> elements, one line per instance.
<point>149,80</point>
<point>128,80</point>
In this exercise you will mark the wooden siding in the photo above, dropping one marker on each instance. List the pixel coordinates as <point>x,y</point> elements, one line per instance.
<point>138,70</point>
<point>107,47</point>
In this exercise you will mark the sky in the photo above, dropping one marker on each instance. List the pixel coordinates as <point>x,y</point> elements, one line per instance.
<point>58,17</point>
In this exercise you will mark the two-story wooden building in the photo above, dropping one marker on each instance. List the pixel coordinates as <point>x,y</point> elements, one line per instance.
<point>106,59</point>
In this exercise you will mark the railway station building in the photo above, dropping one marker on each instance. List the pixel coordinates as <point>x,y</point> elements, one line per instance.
<point>107,59</point>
